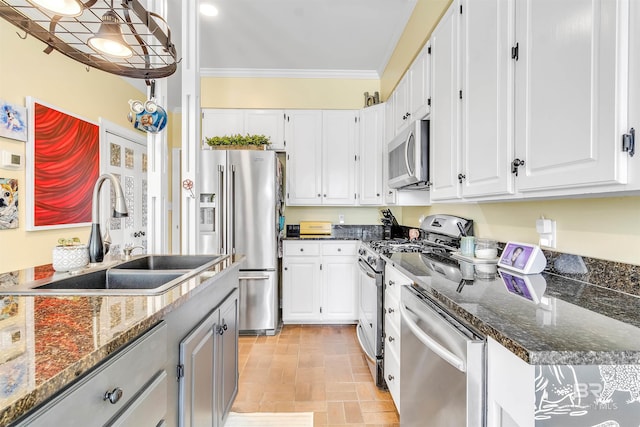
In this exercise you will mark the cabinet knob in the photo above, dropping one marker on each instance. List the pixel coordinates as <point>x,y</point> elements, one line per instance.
<point>319,195</point>
<point>391,283</point>
<point>339,249</point>
<point>377,194</point>
<point>301,249</point>
<point>220,330</point>
<point>225,327</point>
<point>390,310</point>
<point>461,177</point>
<point>325,195</point>
<point>515,165</point>
<point>114,395</point>
<point>390,377</point>
<point>391,339</point>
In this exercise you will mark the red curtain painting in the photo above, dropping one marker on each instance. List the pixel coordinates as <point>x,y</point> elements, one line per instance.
<point>66,166</point>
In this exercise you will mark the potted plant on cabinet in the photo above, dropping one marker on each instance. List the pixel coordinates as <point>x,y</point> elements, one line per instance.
<point>238,142</point>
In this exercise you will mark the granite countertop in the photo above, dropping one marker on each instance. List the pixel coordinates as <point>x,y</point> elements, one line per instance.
<point>555,321</point>
<point>48,341</point>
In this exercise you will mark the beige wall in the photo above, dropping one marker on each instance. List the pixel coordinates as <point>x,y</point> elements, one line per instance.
<point>425,16</point>
<point>285,93</point>
<point>56,80</point>
<point>607,228</point>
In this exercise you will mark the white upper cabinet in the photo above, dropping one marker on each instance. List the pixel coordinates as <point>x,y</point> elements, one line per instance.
<point>419,85</point>
<point>321,157</point>
<point>339,140</point>
<point>269,123</point>
<point>445,107</point>
<point>303,132</point>
<point>220,122</point>
<point>571,92</point>
<point>487,97</point>
<point>371,149</point>
<point>401,104</point>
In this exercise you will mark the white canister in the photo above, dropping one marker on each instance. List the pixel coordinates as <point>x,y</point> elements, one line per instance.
<point>66,258</point>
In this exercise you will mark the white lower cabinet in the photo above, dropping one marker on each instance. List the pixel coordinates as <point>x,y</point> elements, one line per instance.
<point>319,282</point>
<point>393,281</point>
<point>128,389</point>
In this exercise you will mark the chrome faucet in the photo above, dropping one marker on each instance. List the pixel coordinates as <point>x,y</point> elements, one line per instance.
<point>127,251</point>
<point>96,246</point>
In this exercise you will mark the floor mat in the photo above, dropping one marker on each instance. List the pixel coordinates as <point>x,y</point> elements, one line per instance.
<point>270,419</point>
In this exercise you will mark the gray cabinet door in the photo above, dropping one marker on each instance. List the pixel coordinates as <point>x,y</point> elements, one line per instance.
<point>228,356</point>
<point>197,405</point>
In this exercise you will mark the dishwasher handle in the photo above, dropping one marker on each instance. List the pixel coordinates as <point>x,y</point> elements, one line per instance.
<point>430,343</point>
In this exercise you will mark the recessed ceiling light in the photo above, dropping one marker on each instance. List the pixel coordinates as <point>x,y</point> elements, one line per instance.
<point>207,9</point>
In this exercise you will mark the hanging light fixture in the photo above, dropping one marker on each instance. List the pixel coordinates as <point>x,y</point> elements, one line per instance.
<point>59,7</point>
<point>110,40</point>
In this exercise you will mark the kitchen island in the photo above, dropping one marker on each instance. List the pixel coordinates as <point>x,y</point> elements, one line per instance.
<point>560,352</point>
<point>49,342</point>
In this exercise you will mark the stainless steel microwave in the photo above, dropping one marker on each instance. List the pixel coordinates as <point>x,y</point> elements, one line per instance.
<point>408,157</point>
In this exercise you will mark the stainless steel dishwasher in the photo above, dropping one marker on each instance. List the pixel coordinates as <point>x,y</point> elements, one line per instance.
<point>442,368</point>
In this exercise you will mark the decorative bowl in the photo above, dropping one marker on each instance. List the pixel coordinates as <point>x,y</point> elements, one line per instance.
<point>66,258</point>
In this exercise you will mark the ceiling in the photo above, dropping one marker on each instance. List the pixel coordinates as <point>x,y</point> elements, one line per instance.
<point>294,38</point>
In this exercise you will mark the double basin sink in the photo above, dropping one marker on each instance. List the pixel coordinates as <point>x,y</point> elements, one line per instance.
<point>148,275</point>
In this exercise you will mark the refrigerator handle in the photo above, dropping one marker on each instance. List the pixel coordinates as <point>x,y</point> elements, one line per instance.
<point>232,212</point>
<point>221,208</point>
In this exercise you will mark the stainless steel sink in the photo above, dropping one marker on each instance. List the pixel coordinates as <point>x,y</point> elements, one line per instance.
<point>165,262</point>
<point>146,275</point>
<point>112,279</point>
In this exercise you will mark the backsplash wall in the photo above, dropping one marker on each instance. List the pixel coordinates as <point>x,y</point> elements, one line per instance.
<point>606,228</point>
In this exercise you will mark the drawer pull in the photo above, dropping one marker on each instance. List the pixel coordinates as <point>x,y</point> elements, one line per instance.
<point>391,339</point>
<point>114,395</point>
<point>390,377</point>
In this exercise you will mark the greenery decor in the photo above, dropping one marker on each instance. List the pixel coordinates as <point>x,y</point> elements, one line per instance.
<point>238,140</point>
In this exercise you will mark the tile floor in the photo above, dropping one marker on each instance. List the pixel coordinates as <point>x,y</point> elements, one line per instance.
<point>309,368</point>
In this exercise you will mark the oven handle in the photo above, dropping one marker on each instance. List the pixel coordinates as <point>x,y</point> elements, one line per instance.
<point>425,339</point>
<point>362,346</point>
<point>364,267</point>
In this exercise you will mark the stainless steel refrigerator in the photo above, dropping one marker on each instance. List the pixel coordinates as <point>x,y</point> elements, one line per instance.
<point>240,207</point>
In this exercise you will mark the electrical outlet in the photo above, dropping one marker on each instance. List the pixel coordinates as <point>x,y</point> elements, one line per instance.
<point>341,218</point>
<point>546,229</point>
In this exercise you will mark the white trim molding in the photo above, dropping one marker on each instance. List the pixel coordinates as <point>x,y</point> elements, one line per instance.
<point>290,73</point>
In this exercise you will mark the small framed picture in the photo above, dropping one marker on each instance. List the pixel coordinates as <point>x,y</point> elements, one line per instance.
<point>522,257</point>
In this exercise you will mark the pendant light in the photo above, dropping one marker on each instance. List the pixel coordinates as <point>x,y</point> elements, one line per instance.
<point>59,7</point>
<point>109,40</point>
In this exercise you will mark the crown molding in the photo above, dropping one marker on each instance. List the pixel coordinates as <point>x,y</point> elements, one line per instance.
<point>290,73</point>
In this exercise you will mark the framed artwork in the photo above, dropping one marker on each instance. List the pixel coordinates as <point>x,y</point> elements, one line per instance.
<point>8,203</point>
<point>63,164</point>
<point>13,121</point>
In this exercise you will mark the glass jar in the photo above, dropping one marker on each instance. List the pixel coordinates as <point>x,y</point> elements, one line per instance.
<point>486,249</point>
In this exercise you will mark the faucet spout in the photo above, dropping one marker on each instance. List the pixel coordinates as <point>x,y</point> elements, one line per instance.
<point>96,246</point>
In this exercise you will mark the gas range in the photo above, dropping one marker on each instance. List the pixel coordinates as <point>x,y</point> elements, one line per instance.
<point>439,236</point>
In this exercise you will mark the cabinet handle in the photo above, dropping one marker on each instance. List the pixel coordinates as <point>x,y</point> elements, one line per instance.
<point>391,339</point>
<point>390,377</point>
<point>390,310</point>
<point>461,177</point>
<point>113,396</point>
<point>220,330</point>
<point>515,165</point>
<point>225,327</point>
<point>391,283</point>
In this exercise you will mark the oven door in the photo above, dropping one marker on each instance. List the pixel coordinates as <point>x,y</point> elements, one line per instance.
<point>367,307</point>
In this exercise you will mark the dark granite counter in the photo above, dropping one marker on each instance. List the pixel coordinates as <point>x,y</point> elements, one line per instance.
<point>46,342</point>
<point>554,321</point>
